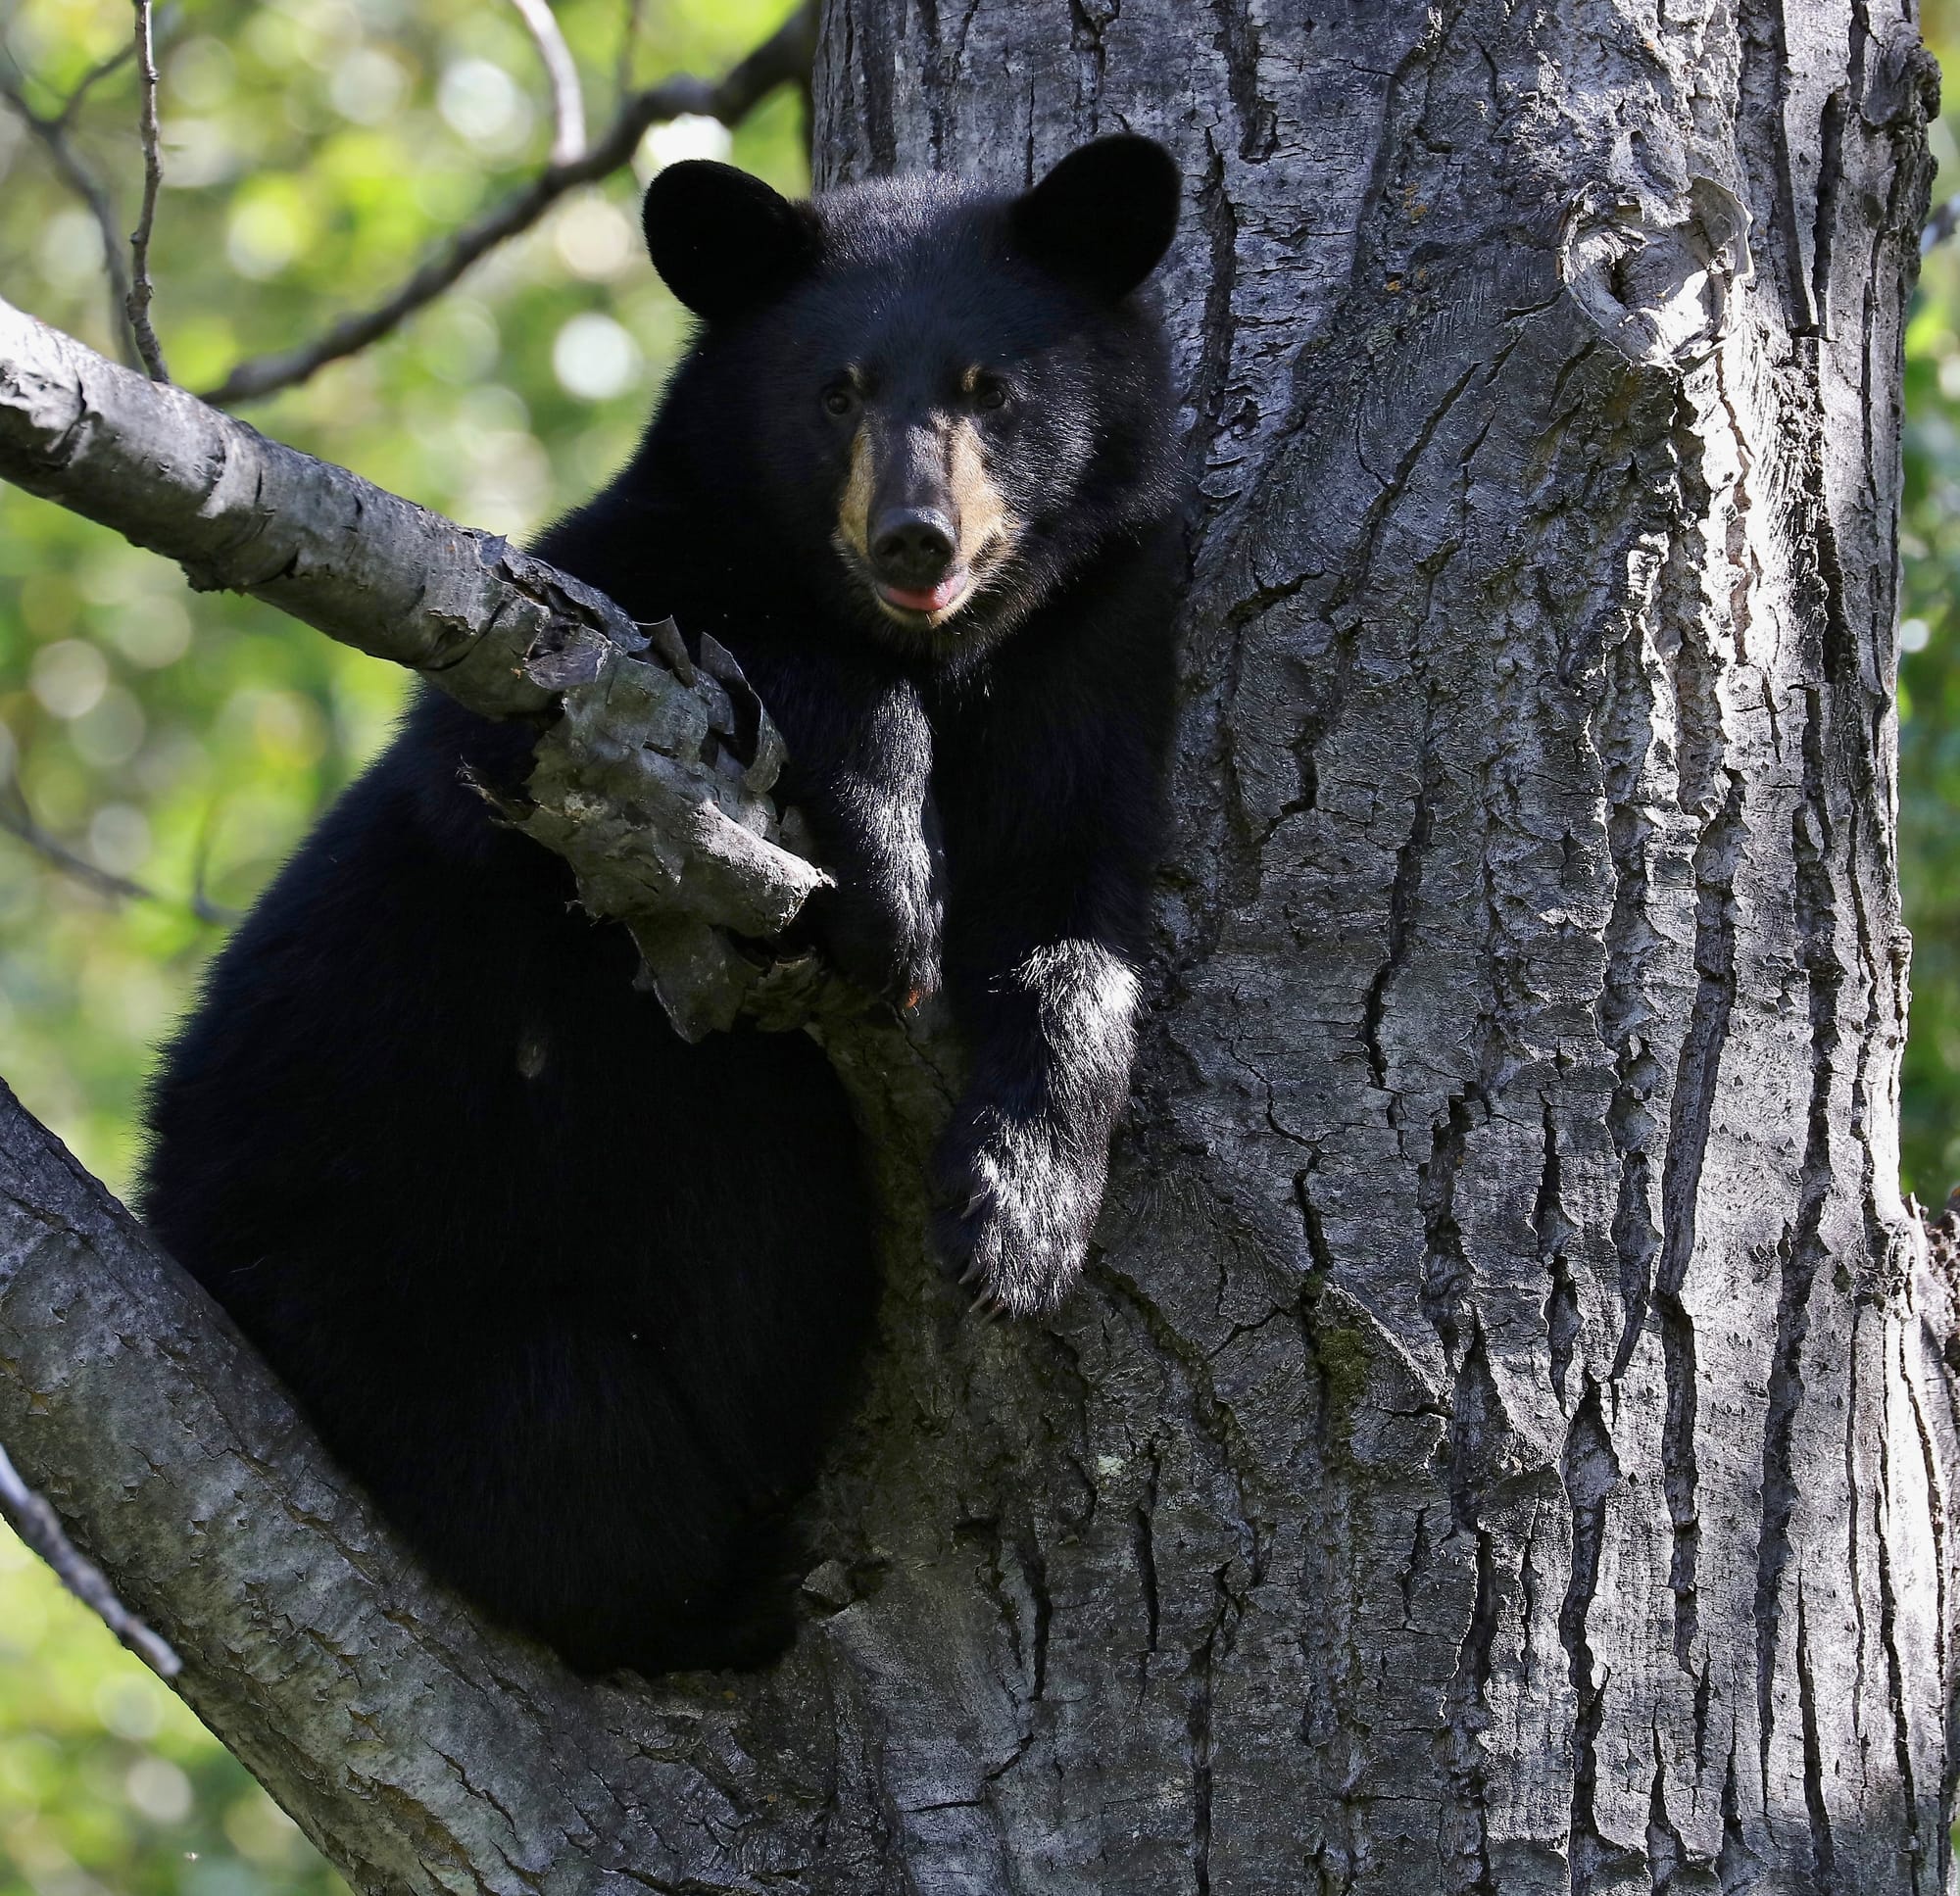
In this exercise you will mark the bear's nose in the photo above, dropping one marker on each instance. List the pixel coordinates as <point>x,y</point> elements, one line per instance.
<point>912,547</point>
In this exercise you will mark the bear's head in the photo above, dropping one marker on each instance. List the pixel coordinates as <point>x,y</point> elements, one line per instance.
<point>929,404</point>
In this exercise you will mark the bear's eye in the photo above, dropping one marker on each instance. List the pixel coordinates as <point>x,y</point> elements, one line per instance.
<point>990,392</point>
<point>839,400</point>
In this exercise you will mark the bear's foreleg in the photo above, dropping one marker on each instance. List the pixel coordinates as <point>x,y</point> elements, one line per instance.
<point>860,772</point>
<point>1020,1170</point>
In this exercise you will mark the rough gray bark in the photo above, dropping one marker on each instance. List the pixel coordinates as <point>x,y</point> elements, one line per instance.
<point>1504,1449</point>
<point>1504,1443</point>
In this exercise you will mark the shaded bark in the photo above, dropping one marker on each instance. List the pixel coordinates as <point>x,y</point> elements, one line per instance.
<point>1503,1441</point>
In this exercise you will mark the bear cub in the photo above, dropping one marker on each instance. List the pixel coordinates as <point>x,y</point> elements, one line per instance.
<point>579,1302</point>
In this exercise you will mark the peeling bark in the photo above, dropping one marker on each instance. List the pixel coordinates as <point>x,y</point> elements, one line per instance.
<point>1503,1442</point>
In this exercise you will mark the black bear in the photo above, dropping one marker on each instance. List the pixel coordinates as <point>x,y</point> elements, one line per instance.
<point>578,1301</point>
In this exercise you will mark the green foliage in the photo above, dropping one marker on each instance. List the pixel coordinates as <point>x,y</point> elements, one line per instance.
<point>313,150</point>
<point>108,1782</point>
<point>1929,685</point>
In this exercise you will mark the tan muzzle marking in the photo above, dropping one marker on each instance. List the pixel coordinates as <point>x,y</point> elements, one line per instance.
<point>977,504</point>
<point>970,497</point>
<point>854,511</point>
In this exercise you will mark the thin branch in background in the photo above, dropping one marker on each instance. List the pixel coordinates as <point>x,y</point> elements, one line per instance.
<point>36,1523</point>
<point>201,904</point>
<point>1941,225</point>
<point>18,820</point>
<point>630,45</point>
<point>53,133</point>
<point>783,57</point>
<point>88,82</point>
<point>140,291</point>
<point>568,101</point>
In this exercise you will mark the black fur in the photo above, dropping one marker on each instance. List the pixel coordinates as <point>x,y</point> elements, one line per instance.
<point>579,1302</point>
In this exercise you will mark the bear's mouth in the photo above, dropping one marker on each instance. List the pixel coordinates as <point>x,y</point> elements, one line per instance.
<point>941,600</point>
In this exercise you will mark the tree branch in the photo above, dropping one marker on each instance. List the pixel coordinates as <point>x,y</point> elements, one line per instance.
<point>53,133</point>
<point>778,59</point>
<point>1941,225</point>
<point>630,45</point>
<point>653,778</point>
<point>568,102</point>
<point>90,79</point>
<point>40,1527</point>
<point>140,291</point>
<point>18,819</point>
<point>180,1467</point>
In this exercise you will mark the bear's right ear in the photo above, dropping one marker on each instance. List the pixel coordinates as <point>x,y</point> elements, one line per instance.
<point>1104,217</point>
<point>723,241</point>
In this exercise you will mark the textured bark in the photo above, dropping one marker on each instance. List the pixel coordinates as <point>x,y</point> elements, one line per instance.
<point>1504,1443</point>
<point>1504,1449</point>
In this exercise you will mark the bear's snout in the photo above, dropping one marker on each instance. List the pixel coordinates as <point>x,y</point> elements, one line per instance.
<point>912,547</point>
<point>929,513</point>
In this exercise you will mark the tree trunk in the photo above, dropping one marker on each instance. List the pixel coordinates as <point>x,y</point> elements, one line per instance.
<point>1503,1441</point>
<point>1500,1447</point>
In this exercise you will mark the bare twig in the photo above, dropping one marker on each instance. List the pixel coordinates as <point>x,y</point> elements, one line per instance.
<point>63,118</point>
<point>88,82</point>
<point>140,291</point>
<point>201,904</point>
<point>53,133</point>
<point>744,86</point>
<point>18,820</point>
<point>568,102</point>
<point>630,44</point>
<point>36,1523</point>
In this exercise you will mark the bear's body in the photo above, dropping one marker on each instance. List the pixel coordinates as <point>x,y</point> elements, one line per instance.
<point>580,1302</point>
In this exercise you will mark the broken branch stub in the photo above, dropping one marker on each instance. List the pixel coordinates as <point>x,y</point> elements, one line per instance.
<point>653,773</point>
<point>656,790</point>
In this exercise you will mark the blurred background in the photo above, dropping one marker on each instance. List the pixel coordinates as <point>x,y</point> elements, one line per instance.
<point>159,752</point>
<point>1929,666</point>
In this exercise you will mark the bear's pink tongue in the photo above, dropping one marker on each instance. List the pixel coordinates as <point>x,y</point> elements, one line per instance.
<point>938,600</point>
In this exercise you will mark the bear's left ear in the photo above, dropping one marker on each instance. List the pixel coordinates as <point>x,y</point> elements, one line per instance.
<point>723,241</point>
<point>1104,217</point>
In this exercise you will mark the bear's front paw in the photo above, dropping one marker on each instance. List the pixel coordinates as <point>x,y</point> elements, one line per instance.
<point>890,954</point>
<point>1017,1202</point>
